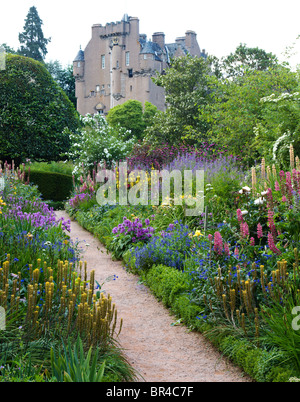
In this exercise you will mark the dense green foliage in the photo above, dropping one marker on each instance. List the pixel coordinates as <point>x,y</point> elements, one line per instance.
<point>53,186</point>
<point>221,101</point>
<point>186,86</point>
<point>132,116</point>
<point>236,109</point>
<point>64,77</point>
<point>246,59</point>
<point>33,112</point>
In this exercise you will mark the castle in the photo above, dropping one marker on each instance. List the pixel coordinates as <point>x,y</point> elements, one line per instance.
<point>118,63</point>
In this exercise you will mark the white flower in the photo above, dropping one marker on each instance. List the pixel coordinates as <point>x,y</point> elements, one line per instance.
<point>244,213</point>
<point>259,201</point>
<point>245,190</point>
<point>264,193</point>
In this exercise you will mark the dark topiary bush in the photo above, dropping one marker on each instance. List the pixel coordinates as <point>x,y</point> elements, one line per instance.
<point>34,111</point>
<point>53,186</point>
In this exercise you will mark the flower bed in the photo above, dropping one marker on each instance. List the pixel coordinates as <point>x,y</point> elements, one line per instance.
<point>47,298</point>
<point>240,277</point>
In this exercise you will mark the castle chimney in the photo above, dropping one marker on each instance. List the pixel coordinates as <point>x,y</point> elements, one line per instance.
<point>159,38</point>
<point>192,44</point>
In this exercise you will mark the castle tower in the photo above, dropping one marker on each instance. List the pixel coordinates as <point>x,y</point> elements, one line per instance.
<point>116,68</point>
<point>78,73</point>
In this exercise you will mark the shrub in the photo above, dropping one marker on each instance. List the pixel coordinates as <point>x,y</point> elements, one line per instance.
<point>53,186</point>
<point>98,143</point>
<point>34,111</point>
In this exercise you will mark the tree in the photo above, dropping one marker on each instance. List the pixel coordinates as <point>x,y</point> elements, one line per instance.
<point>32,40</point>
<point>131,116</point>
<point>186,85</point>
<point>247,59</point>
<point>8,49</point>
<point>236,109</point>
<point>150,111</point>
<point>33,112</point>
<point>279,127</point>
<point>64,77</point>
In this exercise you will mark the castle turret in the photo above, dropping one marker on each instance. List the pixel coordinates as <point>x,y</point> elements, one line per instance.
<point>116,62</point>
<point>78,73</point>
<point>78,64</point>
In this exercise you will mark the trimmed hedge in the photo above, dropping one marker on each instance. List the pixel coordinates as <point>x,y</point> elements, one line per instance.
<point>53,186</point>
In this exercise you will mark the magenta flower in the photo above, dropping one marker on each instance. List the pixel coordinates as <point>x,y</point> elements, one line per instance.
<point>218,243</point>
<point>239,215</point>
<point>272,245</point>
<point>227,249</point>
<point>244,230</point>
<point>259,231</point>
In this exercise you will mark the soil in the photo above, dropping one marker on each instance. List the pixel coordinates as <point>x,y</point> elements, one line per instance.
<point>159,350</point>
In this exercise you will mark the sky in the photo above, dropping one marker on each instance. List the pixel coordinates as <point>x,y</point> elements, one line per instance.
<point>221,25</point>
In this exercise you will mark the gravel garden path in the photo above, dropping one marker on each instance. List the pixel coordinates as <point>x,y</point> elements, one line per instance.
<point>158,350</point>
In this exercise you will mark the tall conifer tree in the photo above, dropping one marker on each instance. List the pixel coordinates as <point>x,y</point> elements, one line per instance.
<point>32,40</point>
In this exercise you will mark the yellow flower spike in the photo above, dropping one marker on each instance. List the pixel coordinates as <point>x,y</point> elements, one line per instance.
<point>277,272</point>
<point>85,271</point>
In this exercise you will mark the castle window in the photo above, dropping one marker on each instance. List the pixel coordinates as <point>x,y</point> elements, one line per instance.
<point>117,63</point>
<point>127,58</point>
<point>92,93</point>
<point>130,88</point>
<point>97,88</point>
<point>78,64</point>
<point>130,73</point>
<point>103,61</point>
